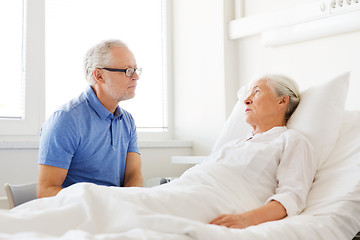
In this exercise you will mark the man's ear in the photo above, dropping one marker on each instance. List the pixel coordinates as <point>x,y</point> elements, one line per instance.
<point>98,75</point>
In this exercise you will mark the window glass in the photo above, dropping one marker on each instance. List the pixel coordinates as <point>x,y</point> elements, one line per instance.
<point>11,49</point>
<point>73,26</point>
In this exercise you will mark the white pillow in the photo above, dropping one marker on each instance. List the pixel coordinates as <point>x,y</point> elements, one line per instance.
<point>235,126</point>
<point>318,116</point>
<point>320,113</point>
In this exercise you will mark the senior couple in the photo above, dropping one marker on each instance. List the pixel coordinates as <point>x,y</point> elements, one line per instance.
<point>92,139</point>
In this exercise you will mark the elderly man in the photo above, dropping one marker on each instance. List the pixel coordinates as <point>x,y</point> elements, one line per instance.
<point>92,139</point>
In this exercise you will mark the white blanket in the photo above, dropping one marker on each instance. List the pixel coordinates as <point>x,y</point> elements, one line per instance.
<point>181,210</point>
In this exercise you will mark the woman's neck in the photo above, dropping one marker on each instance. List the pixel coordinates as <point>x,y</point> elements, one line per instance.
<point>265,128</point>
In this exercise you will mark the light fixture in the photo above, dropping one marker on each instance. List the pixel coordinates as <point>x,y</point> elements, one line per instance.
<point>311,30</point>
<point>308,21</point>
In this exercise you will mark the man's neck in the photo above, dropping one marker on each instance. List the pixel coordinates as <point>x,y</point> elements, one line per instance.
<point>105,100</point>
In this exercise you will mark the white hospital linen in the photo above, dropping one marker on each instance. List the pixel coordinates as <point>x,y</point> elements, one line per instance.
<point>184,207</point>
<point>278,165</point>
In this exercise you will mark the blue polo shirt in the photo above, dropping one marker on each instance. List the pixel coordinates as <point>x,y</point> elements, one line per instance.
<point>88,140</point>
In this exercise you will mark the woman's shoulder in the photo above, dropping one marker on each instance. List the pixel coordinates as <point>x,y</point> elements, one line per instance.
<point>294,135</point>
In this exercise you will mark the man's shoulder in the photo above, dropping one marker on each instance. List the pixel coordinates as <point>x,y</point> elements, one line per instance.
<point>72,111</point>
<point>74,104</point>
<point>126,115</point>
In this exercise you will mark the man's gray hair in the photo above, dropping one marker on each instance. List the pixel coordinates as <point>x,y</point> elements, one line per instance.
<point>99,56</point>
<point>285,86</point>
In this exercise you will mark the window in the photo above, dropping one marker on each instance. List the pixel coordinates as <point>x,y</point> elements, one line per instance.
<point>73,26</point>
<point>21,94</point>
<point>12,91</point>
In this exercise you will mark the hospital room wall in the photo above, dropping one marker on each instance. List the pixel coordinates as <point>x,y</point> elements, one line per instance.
<point>204,70</point>
<point>209,68</point>
<point>309,62</point>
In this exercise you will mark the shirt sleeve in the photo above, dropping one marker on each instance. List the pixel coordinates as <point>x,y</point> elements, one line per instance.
<point>133,144</point>
<point>58,141</point>
<point>295,174</point>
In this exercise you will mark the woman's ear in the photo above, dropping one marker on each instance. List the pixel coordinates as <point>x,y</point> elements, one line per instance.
<point>283,103</point>
<point>284,100</point>
<point>98,77</point>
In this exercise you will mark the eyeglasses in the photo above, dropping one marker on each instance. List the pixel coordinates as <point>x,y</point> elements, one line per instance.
<point>129,72</point>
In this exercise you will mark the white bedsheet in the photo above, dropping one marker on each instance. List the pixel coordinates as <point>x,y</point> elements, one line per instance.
<point>181,207</point>
<point>86,211</point>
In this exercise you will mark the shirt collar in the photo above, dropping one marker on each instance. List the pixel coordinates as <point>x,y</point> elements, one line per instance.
<point>268,133</point>
<point>97,106</point>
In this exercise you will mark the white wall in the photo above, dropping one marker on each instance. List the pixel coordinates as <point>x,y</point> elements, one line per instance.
<point>202,79</point>
<point>308,62</point>
<point>17,166</point>
<point>209,68</point>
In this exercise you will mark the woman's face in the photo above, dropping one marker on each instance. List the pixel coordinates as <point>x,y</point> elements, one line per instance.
<point>262,106</point>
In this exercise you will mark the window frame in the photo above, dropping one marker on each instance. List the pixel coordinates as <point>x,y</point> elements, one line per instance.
<point>29,126</point>
<point>167,134</point>
<point>34,31</point>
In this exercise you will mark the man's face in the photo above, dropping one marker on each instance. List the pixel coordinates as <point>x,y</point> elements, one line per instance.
<point>117,85</point>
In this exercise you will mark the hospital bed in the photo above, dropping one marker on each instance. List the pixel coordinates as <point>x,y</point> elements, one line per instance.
<point>333,206</point>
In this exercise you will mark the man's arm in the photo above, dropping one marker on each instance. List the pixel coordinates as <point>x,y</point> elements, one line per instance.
<point>269,212</point>
<point>50,180</point>
<point>133,175</point>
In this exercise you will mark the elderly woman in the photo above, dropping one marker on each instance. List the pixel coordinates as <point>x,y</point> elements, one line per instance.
<point>263,177</point>
<point>280,158</point>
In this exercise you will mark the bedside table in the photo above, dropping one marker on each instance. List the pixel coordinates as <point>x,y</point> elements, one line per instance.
<point>187,159</point>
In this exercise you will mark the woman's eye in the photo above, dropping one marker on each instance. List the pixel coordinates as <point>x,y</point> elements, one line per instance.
<point>256,92</point>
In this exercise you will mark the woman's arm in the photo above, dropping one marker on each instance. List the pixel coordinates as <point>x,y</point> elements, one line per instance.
<point>271,211</point>
<point>295,175</point>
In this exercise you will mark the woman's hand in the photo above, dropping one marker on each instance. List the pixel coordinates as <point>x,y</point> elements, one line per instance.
<point>269,212</point>
<point>232,221</point>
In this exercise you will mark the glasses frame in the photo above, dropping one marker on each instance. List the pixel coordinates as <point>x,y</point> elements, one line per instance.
<point>124,70</point>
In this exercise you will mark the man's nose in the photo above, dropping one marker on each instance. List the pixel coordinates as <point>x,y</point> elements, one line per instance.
<point>135,76</point>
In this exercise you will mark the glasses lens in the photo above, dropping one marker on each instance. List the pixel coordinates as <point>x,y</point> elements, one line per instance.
<point>139,71</point>
<point>129,72</point>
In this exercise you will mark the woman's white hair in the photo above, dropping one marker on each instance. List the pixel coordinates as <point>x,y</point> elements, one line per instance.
<point>99,56</point>
<point>285,86</point>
